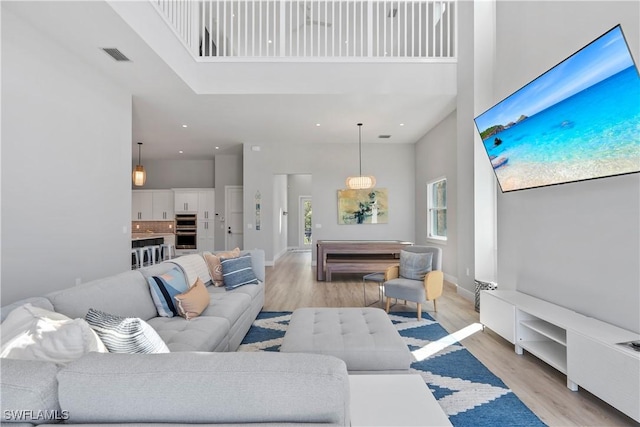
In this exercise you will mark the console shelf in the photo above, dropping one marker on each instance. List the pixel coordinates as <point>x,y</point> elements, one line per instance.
<point>586,350</point>
<point>548,330</point>
<point>548,351</point>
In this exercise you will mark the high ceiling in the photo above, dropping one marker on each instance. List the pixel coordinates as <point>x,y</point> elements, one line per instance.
<point>244,102</point>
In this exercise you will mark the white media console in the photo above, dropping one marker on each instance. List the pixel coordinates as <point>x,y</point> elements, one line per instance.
<point>585,349</point>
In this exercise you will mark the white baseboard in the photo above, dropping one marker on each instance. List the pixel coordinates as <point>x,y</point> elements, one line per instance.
<point>451,279</point>
<point>466,294</point>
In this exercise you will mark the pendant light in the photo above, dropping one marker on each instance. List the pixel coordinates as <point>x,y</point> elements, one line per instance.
<point>139,175</point>
<point>360,182</point>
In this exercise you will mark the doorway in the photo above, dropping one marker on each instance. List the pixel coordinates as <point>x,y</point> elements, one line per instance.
<point>304,217</point>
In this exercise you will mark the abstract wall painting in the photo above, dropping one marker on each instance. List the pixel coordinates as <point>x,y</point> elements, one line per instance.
<point>363,206</point>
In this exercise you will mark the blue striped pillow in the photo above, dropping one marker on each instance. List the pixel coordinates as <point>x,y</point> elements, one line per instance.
<point>164,288</point>
<point>125,334</point>
<point>237,272</point>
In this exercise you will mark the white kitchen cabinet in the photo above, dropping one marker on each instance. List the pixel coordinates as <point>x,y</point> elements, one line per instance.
<point>141,205</point>
<point>186,201</point>
<point>206,205</point>
<point>163,205</point>
<point>206,220</point>
<point>206,236</point>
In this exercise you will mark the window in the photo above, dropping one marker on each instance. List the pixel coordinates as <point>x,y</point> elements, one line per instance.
<point>437,209</point>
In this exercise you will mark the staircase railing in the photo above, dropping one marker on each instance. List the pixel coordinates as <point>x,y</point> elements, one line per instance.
<point>308,30</point>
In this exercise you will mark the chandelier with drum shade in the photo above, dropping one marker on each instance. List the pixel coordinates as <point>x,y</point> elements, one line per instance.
<point>360,182</point>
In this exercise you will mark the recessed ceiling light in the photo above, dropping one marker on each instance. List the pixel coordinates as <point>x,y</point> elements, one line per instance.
<point>217,148</point>
<point>270,42</point>
<point>317,124</point>
<point>180,151</point>
<point>184,126</point>
<point>401,124</point>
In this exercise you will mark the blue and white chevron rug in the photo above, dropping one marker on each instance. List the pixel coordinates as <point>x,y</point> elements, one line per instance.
<point>466,390</point>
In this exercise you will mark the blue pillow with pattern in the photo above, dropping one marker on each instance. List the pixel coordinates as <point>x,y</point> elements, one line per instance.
<point>238,272</point>
<point>164,288</point>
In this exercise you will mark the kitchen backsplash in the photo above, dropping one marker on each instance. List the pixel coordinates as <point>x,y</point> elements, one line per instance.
<point>153,226</point>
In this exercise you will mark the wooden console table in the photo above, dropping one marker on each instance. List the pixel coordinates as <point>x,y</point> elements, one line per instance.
<point>356,256</point>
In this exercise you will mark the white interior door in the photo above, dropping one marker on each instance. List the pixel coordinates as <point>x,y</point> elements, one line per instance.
<point>234,216</point>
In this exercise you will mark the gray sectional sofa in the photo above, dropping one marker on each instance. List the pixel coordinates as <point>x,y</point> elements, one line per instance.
<point>202,380</point>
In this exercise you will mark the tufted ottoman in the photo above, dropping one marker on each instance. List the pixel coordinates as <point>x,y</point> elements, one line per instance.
<point>364,338</point>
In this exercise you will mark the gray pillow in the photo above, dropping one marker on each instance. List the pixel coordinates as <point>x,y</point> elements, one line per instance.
<point>415,266</point>
<point>125,334</point>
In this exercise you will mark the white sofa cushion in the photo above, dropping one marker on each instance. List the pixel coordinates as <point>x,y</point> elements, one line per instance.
<point>206,388</point>
<point>125,294</point>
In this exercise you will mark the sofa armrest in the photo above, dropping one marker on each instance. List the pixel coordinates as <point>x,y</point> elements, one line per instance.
<point>29,388</point>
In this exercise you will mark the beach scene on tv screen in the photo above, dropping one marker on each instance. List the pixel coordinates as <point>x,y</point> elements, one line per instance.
<point>580,120</point>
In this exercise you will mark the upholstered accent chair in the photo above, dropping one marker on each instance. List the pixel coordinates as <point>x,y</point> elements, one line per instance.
<point>418,277</point>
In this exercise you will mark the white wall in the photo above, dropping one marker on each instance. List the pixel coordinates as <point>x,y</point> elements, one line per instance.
<point>280,221</point>
<point>162,174</point>
<point>465,134</point>
<point>66,167</point>
<point>484,181</point>
<point>577,245</point>
<point>330,164</point>
<point>435,158</point>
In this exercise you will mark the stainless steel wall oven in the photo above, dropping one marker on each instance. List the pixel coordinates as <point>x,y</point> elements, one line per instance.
<point>186,231</point>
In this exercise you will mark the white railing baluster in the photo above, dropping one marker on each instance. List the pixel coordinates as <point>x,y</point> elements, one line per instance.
<point>402,30</point>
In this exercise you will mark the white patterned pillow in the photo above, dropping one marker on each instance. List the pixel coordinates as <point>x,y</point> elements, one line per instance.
<point>125,334</point>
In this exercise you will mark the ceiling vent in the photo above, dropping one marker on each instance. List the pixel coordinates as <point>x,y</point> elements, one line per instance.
<point>115,54</point>
<point>384,136</point>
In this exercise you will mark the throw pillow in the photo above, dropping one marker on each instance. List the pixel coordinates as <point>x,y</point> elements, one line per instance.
<point>194,301</point>
<point>215,268</point>
<point>33,333</point>
<point>125,334</point>
<point>164,288</point>
<point>237,272</point>
<point>415,266</point>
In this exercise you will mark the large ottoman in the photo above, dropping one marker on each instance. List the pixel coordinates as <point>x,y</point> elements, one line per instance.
<point>364,338</point>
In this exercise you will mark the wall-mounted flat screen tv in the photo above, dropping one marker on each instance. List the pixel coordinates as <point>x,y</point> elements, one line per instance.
<point>580,120</point>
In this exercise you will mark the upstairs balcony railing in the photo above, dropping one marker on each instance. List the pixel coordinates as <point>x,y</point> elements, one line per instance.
<point>308,30</point>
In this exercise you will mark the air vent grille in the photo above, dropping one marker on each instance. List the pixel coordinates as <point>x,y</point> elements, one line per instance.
<point>115,54</point>
<point>384,136</point>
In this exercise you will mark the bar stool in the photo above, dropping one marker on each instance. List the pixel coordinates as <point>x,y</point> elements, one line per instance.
<point>155,254</point>
<point>167,251</point>
<point>134,253</point>
<point>142,251</point>
<point>373,277</point>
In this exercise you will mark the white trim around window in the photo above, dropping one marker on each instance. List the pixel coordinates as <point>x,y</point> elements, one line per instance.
<point>437,210</point>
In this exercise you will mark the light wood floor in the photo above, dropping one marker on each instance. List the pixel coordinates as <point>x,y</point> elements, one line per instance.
<point>291,284</point>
